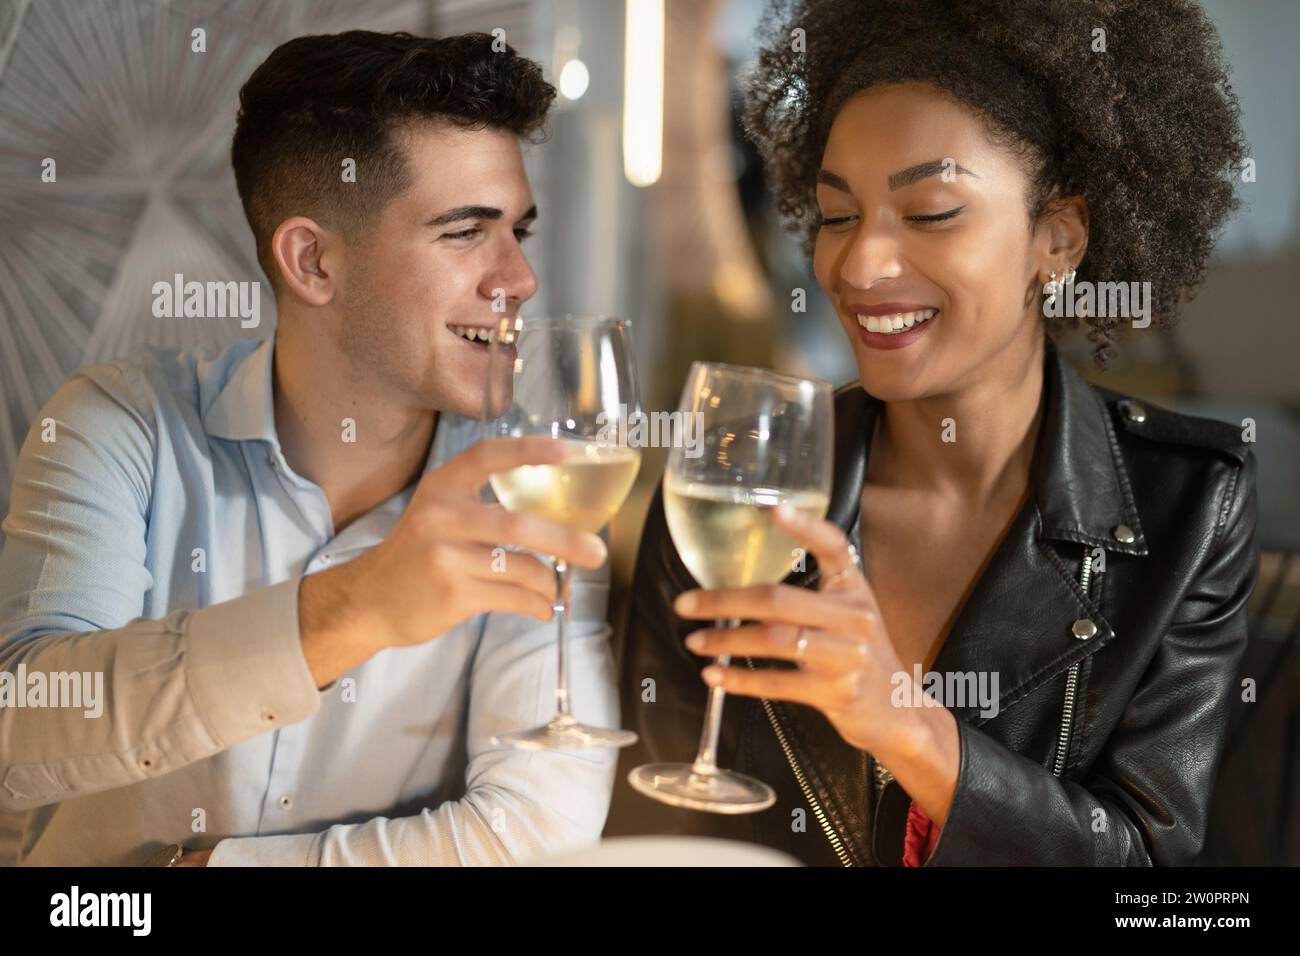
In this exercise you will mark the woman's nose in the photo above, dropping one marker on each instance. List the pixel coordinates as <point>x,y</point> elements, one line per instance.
<point>871,255</point>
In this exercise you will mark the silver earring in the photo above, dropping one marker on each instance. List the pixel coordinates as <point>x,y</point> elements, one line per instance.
<point>1068,278</point>
<point>1052,287</point>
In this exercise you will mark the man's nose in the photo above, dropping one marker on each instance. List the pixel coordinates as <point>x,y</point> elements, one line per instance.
<point>513,278</point>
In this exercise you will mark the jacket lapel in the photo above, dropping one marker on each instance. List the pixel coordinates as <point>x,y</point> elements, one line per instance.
<point>1081,495</point>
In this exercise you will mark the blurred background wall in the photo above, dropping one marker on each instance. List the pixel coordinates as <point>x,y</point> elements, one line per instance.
<point>681,238</point>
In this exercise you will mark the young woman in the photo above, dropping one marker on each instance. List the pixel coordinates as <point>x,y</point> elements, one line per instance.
<point>1082,561</point>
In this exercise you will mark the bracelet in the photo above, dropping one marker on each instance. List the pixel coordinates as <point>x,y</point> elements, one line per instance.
<point>167,856</point>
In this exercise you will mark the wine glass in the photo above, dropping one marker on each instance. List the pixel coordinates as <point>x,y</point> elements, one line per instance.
<point>571,378</point>
<point>767,439</point>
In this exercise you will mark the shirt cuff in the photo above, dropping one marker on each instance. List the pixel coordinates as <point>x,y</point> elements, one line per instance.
<point>245,667</point>
<point>290,849</point>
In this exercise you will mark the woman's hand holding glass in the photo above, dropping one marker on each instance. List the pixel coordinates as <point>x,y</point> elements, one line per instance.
<point>847,667</point>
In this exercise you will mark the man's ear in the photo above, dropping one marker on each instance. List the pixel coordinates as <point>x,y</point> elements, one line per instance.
<point>303,251</point>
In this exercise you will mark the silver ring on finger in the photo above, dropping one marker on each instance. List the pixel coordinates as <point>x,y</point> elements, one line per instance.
<point>838,576</point>
<point>855,562</point>
<point>800,645</point>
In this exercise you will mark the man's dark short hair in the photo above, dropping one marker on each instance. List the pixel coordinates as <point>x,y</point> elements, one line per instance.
<point>317,101</point>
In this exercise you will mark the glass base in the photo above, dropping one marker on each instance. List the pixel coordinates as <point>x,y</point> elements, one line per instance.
<point>717,791</point>
<point>565,733</point>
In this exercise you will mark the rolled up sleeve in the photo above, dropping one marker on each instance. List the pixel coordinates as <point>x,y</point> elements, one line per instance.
<point>73,576</point>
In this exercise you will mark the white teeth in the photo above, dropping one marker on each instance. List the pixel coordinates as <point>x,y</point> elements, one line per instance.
<point>891,324</point>
<point>470,332</point>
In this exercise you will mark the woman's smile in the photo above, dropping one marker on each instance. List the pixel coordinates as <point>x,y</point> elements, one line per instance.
<point>892,325</point>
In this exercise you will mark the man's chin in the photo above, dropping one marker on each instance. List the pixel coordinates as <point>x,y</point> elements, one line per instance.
<point>458,402</point>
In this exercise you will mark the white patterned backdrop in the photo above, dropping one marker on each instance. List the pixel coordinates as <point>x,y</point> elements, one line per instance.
<point>138,125</point>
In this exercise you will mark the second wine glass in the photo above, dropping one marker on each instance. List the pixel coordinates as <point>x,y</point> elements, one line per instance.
<point>767,439</point>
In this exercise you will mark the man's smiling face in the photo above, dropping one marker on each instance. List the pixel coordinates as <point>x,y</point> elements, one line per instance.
<point>440,255</point>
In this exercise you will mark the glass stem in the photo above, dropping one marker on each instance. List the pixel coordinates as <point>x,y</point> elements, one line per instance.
<point>706,760</point>
<point>563,710</point>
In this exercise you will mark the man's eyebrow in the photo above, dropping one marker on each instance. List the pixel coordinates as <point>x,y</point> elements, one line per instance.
<point>904,177</point>
<point>465,212</point>
<point>461,213</point>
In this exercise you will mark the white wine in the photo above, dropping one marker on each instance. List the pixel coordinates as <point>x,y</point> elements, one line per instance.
<point>727,535</point>
<point>583,491</point>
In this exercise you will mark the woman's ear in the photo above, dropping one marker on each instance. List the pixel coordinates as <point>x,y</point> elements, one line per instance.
<point>300,247</point>
<point>1065,235</point>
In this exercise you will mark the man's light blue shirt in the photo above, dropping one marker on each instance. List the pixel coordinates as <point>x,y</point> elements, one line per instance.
<point>159,539</point>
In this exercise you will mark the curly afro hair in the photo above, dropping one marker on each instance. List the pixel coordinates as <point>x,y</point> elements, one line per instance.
<point>1147,132</point>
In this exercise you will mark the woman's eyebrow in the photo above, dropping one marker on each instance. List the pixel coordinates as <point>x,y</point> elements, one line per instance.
<point>828,178</point>
<point>904,177</point>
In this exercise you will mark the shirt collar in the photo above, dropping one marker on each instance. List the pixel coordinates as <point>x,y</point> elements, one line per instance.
<point>244,407</point>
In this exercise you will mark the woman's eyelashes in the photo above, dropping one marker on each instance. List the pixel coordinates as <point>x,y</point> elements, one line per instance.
<point>920,219</point>
<point>829,221</point>
<point>935,216</point>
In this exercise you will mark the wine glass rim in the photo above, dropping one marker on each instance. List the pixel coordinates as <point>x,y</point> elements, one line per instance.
<point>575,318</point>
<point>762,372</point>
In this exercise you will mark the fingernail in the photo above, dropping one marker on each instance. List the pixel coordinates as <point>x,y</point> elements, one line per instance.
<point>712,674</point>
<point>787,511</point>
<point>695,642</point>
<point>685,602</point>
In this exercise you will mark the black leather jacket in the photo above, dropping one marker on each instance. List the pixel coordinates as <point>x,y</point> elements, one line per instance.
<point>1106,740</point>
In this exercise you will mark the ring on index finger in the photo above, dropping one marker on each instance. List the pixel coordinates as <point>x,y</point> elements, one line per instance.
<point>855,562</point>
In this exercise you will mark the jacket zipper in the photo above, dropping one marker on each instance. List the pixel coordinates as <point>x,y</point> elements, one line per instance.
<point>1072,678</point>
<point>837,844</point>
<point>884,776</point>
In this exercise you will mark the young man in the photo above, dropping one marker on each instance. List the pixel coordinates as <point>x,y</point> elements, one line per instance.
<point>276,559</point>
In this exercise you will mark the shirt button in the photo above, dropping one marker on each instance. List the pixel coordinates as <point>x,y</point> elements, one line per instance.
<point>1083,629</point>
<point>326,558</point>
<point>286,802</point>
<point>1133,411</point>
<point>1123,534</point>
